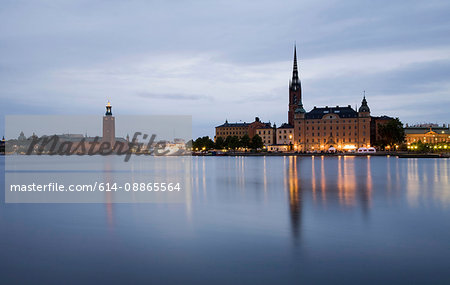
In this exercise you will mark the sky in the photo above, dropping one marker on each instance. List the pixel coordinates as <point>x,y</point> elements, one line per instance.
<point>218,60</point>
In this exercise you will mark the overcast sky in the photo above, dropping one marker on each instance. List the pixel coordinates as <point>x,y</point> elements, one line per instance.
<point>218,60</point>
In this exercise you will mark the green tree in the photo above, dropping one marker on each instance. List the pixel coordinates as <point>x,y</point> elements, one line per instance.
<point>392,133</point>
<point>232,142</point>
<point>245,141</point>
<point>256,142</point>
<point>203,143</point>
<point>220,143</point>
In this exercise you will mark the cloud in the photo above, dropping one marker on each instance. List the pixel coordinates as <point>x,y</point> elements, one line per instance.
<point>222,62</point>
<point>167,96</point>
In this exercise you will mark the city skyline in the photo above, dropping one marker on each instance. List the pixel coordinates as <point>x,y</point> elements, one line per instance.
<point>65,58</point>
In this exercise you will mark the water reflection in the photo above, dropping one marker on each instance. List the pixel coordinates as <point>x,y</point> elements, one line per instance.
<point>295,197</point>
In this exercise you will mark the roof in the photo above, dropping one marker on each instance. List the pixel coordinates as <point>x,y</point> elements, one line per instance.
<point>265,126</point>
<point>384,117</point>
<point>424,130</point>
<point>342,112</point>
<point>226,124</point>
<point>244,124</point>
<point>286,126</point>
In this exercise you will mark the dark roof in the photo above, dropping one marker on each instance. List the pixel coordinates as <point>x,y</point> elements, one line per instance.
<point>265,126</point>
<point>342,112</point>
<point>424,130</point>
<point>226,124</point>
<point>384,117</point>
<point>286,126</point>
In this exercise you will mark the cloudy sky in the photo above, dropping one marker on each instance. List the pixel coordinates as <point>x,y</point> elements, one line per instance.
<point>218,60</point>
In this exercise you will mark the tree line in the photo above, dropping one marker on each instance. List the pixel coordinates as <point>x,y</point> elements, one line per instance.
<point>230,142</point>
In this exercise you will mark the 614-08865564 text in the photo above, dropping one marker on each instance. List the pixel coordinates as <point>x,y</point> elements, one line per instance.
<point>101,187</point>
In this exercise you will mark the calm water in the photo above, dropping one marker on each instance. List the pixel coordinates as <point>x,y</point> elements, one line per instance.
<point>266,220</point>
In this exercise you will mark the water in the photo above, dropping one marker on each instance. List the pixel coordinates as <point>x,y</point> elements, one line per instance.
<point>266,220</point>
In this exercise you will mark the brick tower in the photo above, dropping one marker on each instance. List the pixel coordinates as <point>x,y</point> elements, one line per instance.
<point>109,128</point>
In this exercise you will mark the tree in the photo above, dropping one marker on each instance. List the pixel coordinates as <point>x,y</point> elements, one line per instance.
<point>220,143</point>
<point>392,133</point>
<point>245,141</point>
<point>232,142</point>
<point>256,142</point>
<point>203,143</point>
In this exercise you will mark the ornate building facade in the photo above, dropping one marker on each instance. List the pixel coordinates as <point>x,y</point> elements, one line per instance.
<point>340,127</point>
<point>427,133</point>
<point>323,127</point>
<point>239,129</point>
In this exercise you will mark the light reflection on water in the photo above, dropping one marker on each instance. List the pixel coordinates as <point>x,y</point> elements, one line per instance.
<point>290,219</point>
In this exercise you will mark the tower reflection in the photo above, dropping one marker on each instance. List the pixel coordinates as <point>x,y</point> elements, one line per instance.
<point>107,178</point>
<point>295,197</point>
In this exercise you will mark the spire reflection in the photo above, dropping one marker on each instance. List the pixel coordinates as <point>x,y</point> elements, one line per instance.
<point>295,197</point>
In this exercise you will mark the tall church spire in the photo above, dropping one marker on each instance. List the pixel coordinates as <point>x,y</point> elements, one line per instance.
<point>295,91</point>
<point>295,82</point>
<point>295,69</point>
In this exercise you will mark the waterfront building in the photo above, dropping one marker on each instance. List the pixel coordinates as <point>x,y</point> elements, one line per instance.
<point>267,134</point>
<point>343,128</point>
<point>285,135</point>
<point>375,124</point>
<point>427,133</point>
<point>109,127</point>
<point>239,129</point>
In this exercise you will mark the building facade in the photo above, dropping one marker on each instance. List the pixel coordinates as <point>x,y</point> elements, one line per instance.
<point>285,135</point>
<point>267,134</point>
<point>323,127</point>
<point>343,128</point>
<point>239,129</point>
<point>427,133</point>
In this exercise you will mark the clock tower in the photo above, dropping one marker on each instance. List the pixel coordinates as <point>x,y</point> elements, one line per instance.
<point>109,127</point>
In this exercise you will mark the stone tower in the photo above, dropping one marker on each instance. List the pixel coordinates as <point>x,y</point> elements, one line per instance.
<point>109,128</point>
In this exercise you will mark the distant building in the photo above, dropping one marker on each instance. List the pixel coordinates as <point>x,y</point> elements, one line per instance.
<point>285,135</point>
<point>267,134</point>
<point>427,133</point>
<point>321,128</point>
<point>343,128</point>
<point>239,129</point>
<point>109,127</point>
<point>375,124</point>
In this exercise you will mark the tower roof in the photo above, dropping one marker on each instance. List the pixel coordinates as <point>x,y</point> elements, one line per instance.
<point>364,107</point>
<point>295,81</point>
<point>108,109</point>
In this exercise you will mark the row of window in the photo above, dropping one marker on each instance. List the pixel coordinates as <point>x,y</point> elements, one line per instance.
<point>337,140</point>
<point>337,134</point>
<point>330,121</point>
<point>231,133</point>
